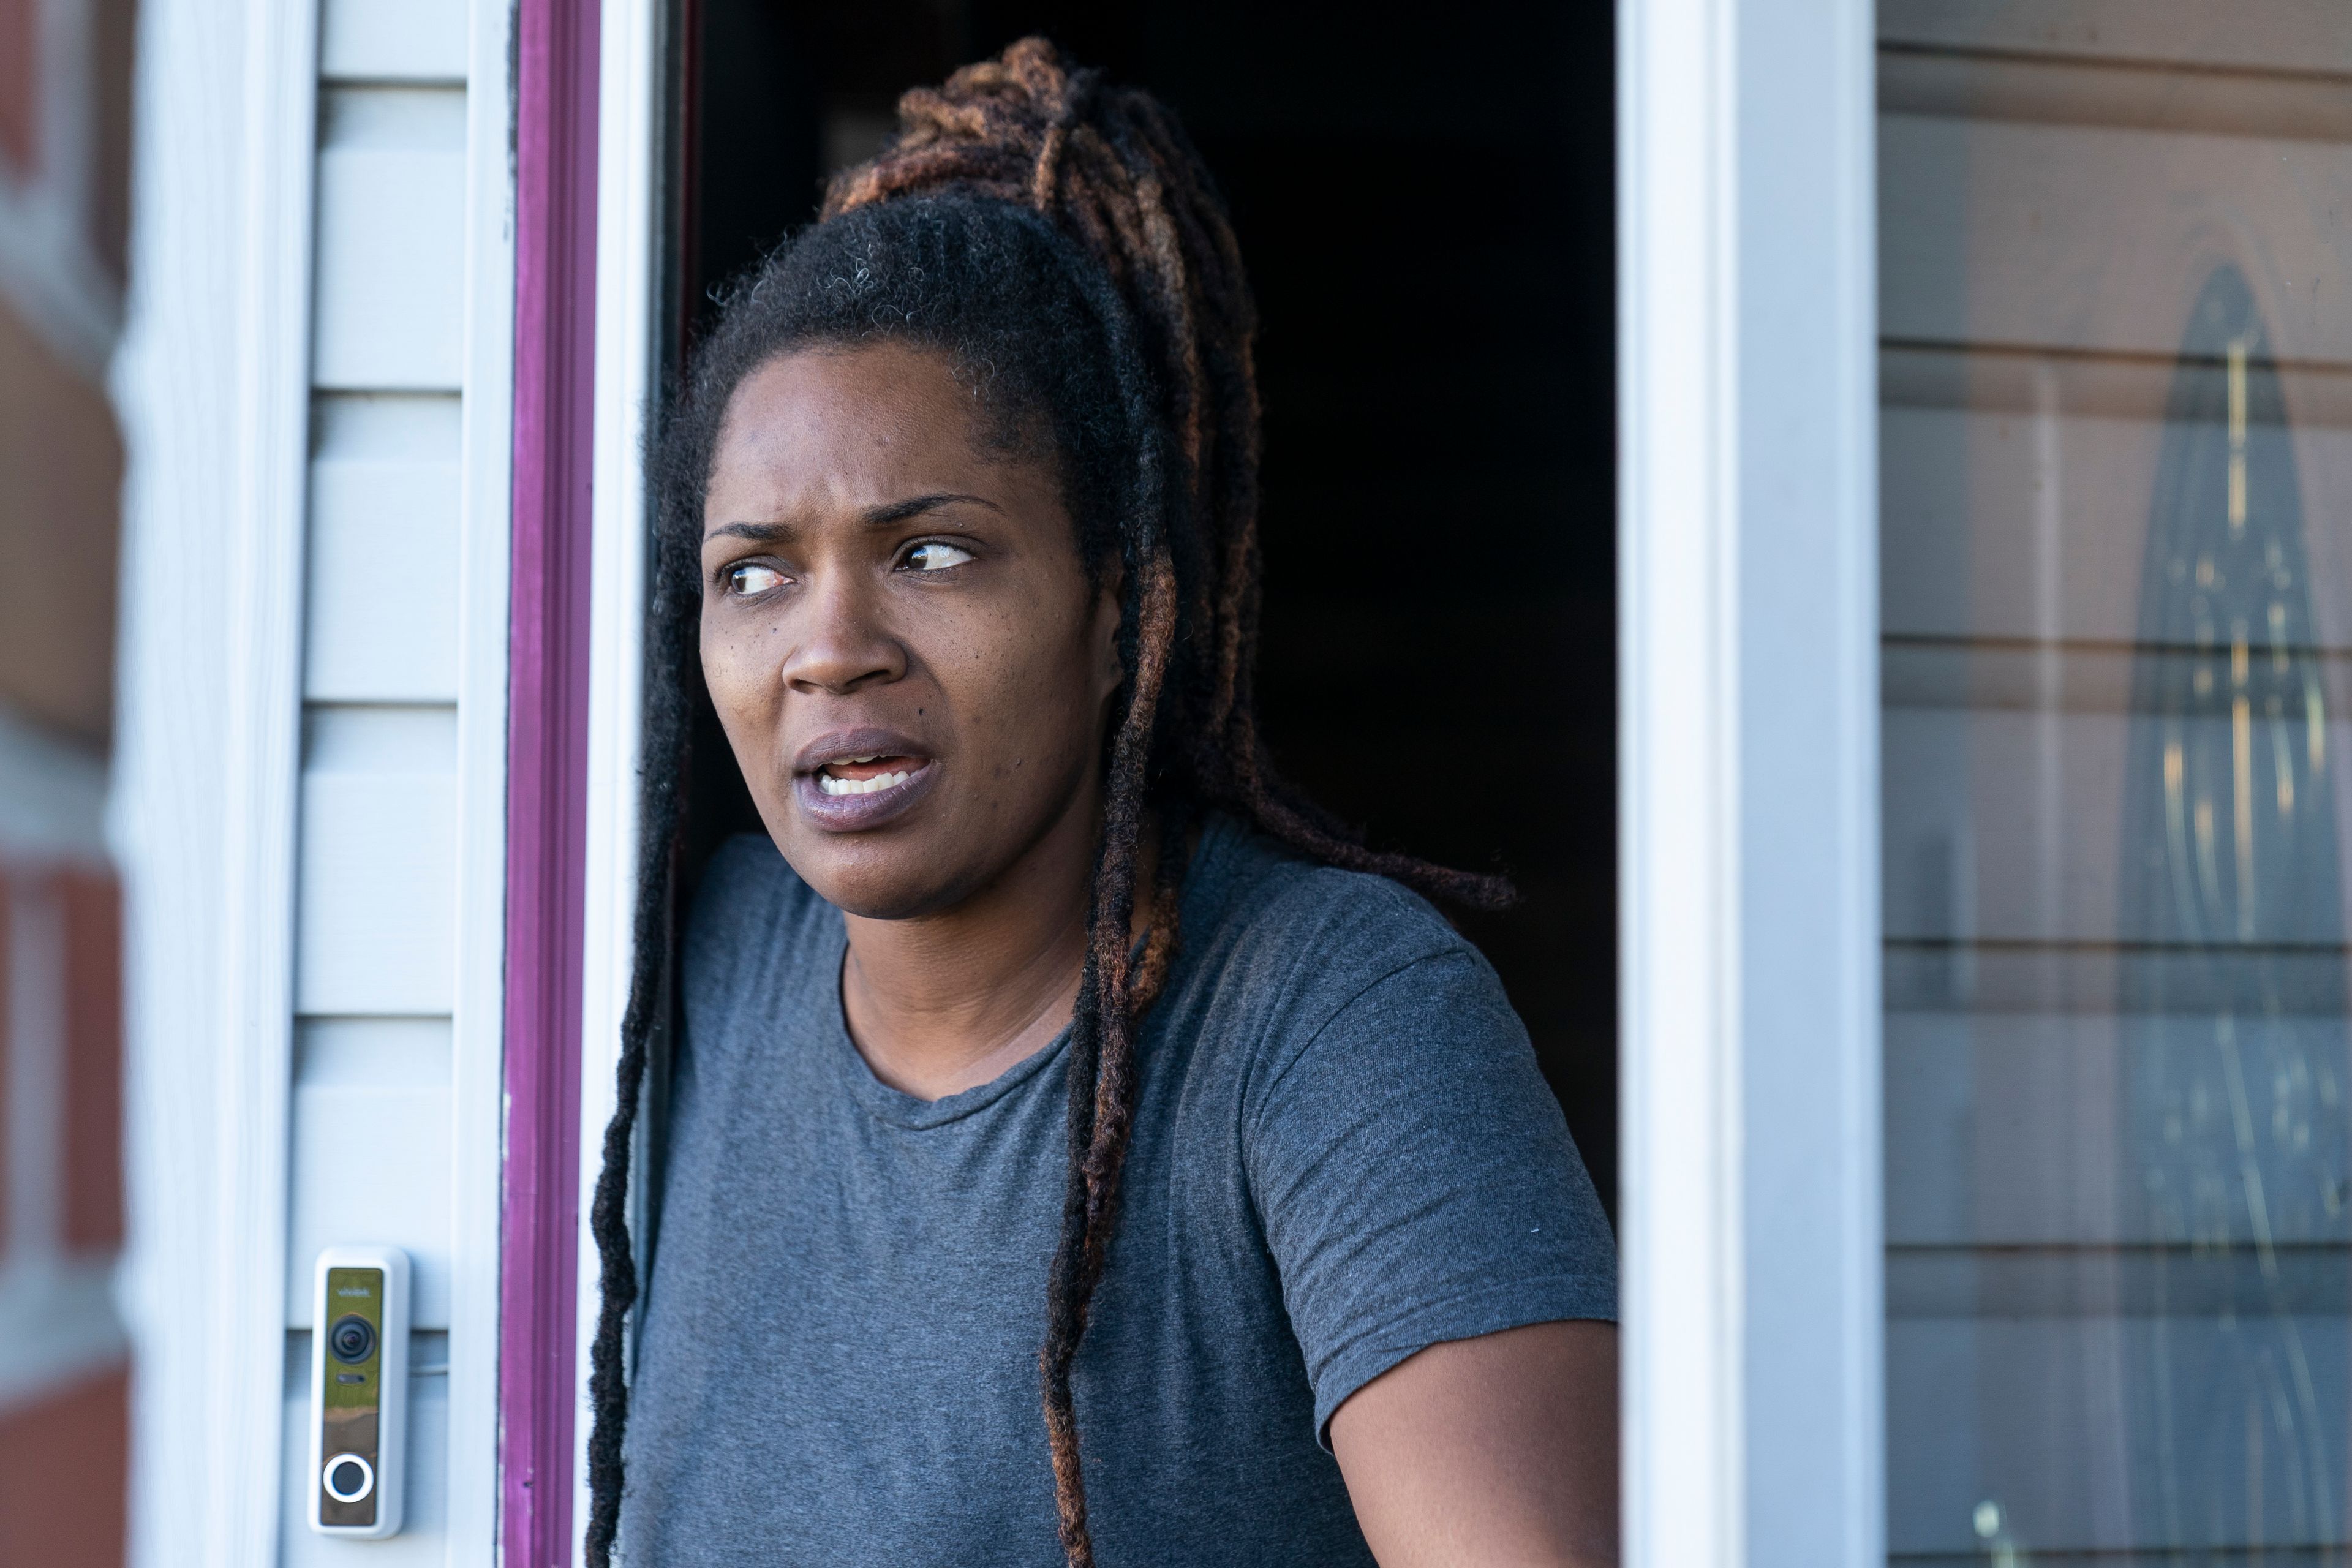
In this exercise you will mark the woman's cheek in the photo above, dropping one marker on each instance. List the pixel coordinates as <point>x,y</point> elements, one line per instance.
<point>728,670</point>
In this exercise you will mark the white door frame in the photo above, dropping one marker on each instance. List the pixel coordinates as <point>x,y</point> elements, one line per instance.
<point>213,386</point>
<point>1747,614</point>
<point>1747,833</point>
<point>631,168</point>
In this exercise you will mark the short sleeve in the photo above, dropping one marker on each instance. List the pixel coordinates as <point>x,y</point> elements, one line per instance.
<point>1417,1181</point>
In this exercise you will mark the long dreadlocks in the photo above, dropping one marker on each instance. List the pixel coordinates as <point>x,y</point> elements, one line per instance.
<point>1062,242</point>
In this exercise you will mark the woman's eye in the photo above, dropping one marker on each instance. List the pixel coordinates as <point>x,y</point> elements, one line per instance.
<point>751,579</point>
<point>936,557</point>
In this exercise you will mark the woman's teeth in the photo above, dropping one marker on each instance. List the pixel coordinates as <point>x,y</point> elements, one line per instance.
<point>832,785</point>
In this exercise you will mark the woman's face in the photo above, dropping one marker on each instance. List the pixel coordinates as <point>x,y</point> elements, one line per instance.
<point>896,630</point>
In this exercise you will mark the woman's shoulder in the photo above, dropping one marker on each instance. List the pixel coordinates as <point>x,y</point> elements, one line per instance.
<point>1307,980</point>
<point>1316,934</point>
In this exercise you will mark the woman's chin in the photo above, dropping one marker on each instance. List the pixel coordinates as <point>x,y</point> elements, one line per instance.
<point>886,877</point>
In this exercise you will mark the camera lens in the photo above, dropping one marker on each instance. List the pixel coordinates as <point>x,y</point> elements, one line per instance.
<point>352,1338</point>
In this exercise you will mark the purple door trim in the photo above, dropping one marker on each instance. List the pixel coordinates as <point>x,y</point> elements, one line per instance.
<point>547,770</point>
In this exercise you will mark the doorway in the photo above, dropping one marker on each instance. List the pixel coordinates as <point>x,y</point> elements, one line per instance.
<point>1425,201</point>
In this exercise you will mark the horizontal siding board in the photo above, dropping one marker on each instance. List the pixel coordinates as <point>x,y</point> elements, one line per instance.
<point>377,863</point>
<point>2087,237</point>
<point>371,1053</point>
<point>2034,977</point>
<point>390,285</point>
<point>381,615</point>
<point>2296,36</point>
<point>2067,677</point>
<point>2110,1434</point>
<point>1967,497</point>
<point>1964,788</point>
<point>2096,92</point>
<point>393,40</point>
<point>2132,1279</point>
<point>371,1163</point>
<point>2043,1130</point>
<point>1995,380</point>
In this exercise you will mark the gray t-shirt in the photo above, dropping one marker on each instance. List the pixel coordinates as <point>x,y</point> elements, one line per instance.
<point>1343,1153</point>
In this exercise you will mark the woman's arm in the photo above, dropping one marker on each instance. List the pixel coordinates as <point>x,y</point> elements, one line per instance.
<point>1499,1451</point>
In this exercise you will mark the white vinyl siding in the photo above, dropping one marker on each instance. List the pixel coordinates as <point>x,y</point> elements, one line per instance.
<point>391,273</point>
<point>382,578</point>
<point>392,691</point>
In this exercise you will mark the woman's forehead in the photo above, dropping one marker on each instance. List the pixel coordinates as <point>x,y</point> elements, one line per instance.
<point>879,399</point>
<point>826,430</point>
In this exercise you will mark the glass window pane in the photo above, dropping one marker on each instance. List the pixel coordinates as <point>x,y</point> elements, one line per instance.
<point>2116,371</point>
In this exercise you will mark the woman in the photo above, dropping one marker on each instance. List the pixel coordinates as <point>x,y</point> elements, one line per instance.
<point>1047,1051</point>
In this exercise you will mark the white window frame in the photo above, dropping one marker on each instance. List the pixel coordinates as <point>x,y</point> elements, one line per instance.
<point>1748,773</point>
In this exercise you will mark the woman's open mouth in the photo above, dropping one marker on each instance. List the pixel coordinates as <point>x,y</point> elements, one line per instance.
<point>867,775</point>
<point>867,789</point>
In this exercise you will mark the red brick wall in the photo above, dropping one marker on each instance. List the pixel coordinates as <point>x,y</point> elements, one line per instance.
<point>17,115</point>
<point>7,1196</point>
<point>64,1450</point>
<point>88,908</point>
<point>63,1477</point>
<point>63,1432</point>
<point>93,1086</point>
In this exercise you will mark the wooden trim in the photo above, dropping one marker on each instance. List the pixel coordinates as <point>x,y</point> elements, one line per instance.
<point>557,114</point>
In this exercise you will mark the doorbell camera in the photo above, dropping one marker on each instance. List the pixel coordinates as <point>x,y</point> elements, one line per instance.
<point>358,1390</point>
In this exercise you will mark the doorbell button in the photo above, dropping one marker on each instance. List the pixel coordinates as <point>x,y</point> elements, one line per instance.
<point>348,1477</point>
<point>358,1390</point>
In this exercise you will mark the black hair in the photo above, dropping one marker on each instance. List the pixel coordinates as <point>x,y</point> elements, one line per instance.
<point>1060,244</point>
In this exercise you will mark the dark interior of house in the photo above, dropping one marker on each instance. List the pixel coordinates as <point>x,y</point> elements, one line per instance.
<point>1425,199</point>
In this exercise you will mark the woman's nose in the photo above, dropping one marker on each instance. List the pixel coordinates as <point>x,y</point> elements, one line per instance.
<point>842,643</point>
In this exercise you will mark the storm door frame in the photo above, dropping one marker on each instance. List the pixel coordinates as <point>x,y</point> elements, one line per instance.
<point>591,168</point>
<point>1748,692</point>
<point>1747,747</point>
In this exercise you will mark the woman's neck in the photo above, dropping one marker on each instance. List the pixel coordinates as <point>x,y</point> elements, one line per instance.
<point>940,1004</point>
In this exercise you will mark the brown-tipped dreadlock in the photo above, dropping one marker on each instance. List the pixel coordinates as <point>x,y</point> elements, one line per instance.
<point>1131,218</point>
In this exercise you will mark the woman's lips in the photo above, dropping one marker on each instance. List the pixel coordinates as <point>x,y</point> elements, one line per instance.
<point>851,796</point>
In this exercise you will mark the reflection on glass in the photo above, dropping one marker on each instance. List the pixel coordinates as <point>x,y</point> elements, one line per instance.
<point>2116,372</point>
<point>2236,1138</point>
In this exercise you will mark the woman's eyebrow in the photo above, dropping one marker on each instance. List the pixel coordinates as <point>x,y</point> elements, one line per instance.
<point>881,515</point>
<point>757,532</point>
<point>915,506</point>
